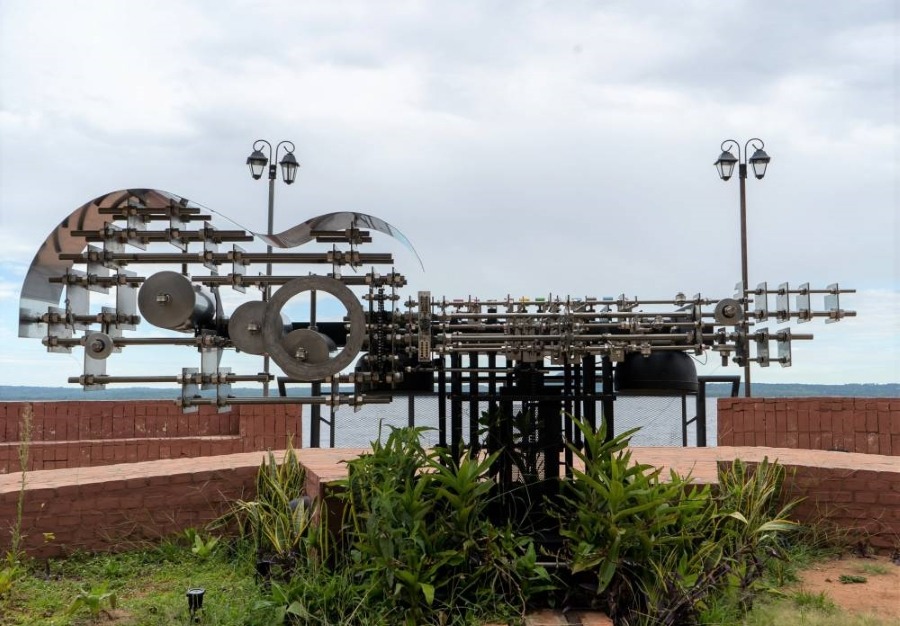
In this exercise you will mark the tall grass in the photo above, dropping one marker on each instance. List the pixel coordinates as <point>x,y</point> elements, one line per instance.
<point>12,569</point>
<point>26,426</point>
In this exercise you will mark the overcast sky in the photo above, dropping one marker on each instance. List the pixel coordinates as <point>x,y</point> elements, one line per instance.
<point>524,148</point>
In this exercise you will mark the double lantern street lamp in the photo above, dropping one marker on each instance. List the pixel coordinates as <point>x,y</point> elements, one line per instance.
<point>725,165</point>
<point>289,166</point>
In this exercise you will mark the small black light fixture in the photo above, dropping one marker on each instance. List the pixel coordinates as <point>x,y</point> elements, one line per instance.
<point>726,164</point>
<point>257,162</point>
<point>289,167</point>
<point>759,161</point>
<point>195,600</point>
<point>264,569</point>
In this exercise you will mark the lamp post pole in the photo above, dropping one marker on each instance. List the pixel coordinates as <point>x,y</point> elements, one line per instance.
<point>289,165</point>
<point>725,166</point>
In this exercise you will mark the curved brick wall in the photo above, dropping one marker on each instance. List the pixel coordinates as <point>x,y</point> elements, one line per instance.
<point>89,433</point>
<point>866,425</point>
<point>116,505</point>
<point>113,507</point>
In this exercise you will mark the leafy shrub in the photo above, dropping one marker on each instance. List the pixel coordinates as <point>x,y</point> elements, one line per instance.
<point>418,545</point>
<point>279,521</point>
<point>421,542</point>
<point>661,551</point>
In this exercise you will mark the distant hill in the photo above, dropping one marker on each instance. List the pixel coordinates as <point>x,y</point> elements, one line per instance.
<point>763,390</point>
<point>800,390</point>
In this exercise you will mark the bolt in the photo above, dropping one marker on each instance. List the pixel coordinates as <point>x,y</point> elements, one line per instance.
<point>301,354</point>
<point>163,298</point>
<point>730,310</point>
<point>97,345</point>
<point>253,327</point>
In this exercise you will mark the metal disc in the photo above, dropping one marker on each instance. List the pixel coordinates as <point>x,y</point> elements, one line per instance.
<point>245,327</point>
<point>169,300</point>
<point>308,346</point>
<point>728,312</point>
<point>98,345</point>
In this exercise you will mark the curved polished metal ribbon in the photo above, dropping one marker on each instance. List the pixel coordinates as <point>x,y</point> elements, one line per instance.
<point>38,292</point>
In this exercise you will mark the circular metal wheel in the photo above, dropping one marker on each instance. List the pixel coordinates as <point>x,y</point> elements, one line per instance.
<point>728,312</point>
<point>309,346</point>
<point>284,352</point>
<point>169,300</point>
<point>98,346</point>
<point>245,327</point>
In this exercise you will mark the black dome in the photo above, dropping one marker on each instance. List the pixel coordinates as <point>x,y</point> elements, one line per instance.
<point>659,374</point>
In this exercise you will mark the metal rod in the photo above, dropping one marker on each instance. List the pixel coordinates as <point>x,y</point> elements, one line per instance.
<point>227,257</point>
<point>576,314</point>
<point>799,291</point>
<point>103,379</point>
<point>742,175</point>
<point>164,235</point>
<point>134,341</point>
<point>456,339</point>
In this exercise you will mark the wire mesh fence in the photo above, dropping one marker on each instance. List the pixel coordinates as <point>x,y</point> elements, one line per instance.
<point>659,419</point>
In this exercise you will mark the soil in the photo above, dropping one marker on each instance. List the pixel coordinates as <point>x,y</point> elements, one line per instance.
<point>879,595</point>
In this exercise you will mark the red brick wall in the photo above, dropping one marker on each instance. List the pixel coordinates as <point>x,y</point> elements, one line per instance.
<point>118,507</point>
<point>855,492</point>
<point>863,503</point>
<point>88,433</point>
<point>115,507</point>
<point>867,425</point>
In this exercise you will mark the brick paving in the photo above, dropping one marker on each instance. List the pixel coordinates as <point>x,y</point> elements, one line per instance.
<point>328,465</point>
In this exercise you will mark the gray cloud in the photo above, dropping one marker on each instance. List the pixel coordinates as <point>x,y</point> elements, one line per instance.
<point>523,147</point>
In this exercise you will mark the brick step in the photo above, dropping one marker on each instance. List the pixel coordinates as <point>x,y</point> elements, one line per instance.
<point>47,455</point>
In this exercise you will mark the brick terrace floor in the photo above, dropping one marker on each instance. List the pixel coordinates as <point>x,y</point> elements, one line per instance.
<point>326,465</point>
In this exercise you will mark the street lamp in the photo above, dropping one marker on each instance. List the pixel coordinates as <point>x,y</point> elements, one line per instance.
<point>257,162</point>
<point>725,166</point>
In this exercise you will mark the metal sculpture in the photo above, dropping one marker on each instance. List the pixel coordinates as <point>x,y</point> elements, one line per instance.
<point>517,370</point>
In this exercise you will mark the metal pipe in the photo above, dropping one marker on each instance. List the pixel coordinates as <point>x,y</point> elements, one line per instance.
<point>576,314</point>
<point>321,400</point>
<point>133,341</point>
<point>488,337</point>
<point>165,235</point>
<point>226,257</point>
<point>103,379</point>
<point>742,175</point>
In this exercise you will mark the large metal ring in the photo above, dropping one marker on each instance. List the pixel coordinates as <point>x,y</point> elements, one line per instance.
<point>273,328</point>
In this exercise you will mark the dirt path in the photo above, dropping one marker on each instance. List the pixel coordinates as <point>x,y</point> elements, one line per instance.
<point>879,595</point>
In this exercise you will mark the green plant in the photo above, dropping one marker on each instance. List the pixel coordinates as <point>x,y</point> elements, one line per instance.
<point>816,601</point>
<point>203,549</point>
<point>315,596</point>
<point>14,570</point>
<point>93,599</point>
<point>9,574</point>
<point>26,423</point>
<point>874,569</point>
<point>279,522</point>
<point>851,579</point>
<point>664,552</point>
<point>420,539</point>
